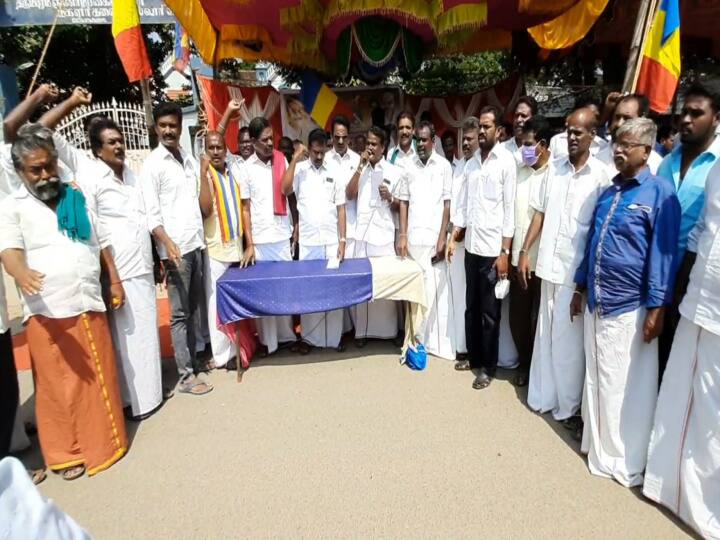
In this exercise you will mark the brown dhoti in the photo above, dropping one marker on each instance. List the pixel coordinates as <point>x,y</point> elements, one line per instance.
<point>77,398</point>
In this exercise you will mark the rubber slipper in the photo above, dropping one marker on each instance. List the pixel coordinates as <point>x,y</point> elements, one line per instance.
<point>195,387</point>
<point>72,473</point>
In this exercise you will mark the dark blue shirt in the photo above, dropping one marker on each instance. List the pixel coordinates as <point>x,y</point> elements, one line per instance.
<point>631,255</point>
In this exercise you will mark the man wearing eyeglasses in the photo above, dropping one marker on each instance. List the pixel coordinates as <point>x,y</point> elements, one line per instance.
<point>627,275</point>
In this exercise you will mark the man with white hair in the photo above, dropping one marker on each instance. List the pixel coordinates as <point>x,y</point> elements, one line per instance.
<point>683,457</point>
<point>628,273</point>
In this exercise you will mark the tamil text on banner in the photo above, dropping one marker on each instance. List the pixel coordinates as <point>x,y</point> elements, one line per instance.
<point>42,12</point>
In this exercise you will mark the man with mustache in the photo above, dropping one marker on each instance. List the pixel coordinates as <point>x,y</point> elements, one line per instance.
<point>170,182</point>
<point>687,169</point>
<point>50,244</point>
<point>564,207</point>
<point>626,108</point>
<point>374,185</point>
<point>266,221</point>
<point>425,209</point>
<point>114,198</point>
<point>321,209</point>
<point>525,109</point>
<point>627,275</point>
<point>221,208</point>
<point>559,143</point>
<point>486,217</point>
<point>456,243</point>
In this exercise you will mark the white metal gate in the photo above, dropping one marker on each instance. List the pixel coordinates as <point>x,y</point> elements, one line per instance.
<point>129,117</point>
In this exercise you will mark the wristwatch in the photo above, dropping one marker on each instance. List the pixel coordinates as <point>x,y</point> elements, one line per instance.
<point>505,251</point>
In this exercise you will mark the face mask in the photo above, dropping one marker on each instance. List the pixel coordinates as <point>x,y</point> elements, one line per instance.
<point>529,156</point>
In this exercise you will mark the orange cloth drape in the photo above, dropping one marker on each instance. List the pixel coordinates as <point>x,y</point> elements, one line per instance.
<point>570,27</point>
<point>77,398</point>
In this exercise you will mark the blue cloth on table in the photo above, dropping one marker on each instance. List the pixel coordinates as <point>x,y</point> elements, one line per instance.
<point>291,287</point>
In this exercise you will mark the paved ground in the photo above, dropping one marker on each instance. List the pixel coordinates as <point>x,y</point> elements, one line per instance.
<point>342,447</point>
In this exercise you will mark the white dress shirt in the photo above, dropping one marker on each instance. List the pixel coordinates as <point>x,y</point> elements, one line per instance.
<point>456,190</point>
<point>119,209</point>
<point>71,285</point>
<point>559,145</point>
<point>529,181</point>
<point>171,190</point>
<point>4,317</point>
<point>701,304</point>
<point>567,198</point>
<point>256,185</point>
<point>318,196</point>
<point>487,202</point>
<point>606,155</point>
<point>511,146</point>
<point>396,156</point>
<point>342,169</point>
<point>426,187</point>
<point>375,223</point>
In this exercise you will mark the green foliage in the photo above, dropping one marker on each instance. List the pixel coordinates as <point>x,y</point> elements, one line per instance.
<point>82,55</point>
<point>463,74</point>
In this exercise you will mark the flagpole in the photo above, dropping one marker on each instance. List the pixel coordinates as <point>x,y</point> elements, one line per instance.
<point>642,23</point>
<point>147,106</point>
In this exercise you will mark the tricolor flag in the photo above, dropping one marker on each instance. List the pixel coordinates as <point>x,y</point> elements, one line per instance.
<point>320,102</point>
<point>660,68</point>
<point>129,40</point>
<point>182,48</point>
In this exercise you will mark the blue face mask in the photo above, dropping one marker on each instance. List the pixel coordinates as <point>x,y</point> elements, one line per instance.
<point>529,156</point>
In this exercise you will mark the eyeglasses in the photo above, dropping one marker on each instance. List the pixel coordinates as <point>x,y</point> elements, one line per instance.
<point>624,147</point>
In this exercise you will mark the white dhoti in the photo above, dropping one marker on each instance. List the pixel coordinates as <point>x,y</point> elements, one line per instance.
<point>137,344</point>
<point>436,331</point>
<point>683,465</point>
<point>349,313</point>
<point>274,330</point>
<point>378,318</point>
<point>222,346</point>
<point>557,370</point>
<point>457,298</point>
<point>620,394</point>
<point>321,329</point>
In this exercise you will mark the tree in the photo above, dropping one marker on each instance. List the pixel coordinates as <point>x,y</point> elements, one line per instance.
<point>82,55</point>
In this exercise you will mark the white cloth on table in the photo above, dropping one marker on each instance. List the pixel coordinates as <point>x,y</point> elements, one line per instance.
<point>557,369</point>
<point>683,464</point>
<point>377,318</point>
<point>170,191</point>
<point>436,330</point>
<point>25,513</point>
<point>135,335</point>
<point>458,286</point>
<point>621,373</point>
<point>274,330</point>
<point>223,348</point>
<point>321,329</point>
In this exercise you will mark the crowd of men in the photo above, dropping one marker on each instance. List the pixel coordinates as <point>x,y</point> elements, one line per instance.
<point>609,252</point>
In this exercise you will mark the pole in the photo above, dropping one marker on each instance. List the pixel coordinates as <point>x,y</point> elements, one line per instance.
<point>42,54</point>
<point>648,24</point>
<point>636,46</point>
<point>147,105</point>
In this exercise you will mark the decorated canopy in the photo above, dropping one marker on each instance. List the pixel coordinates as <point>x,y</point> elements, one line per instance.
<point>332,36</point>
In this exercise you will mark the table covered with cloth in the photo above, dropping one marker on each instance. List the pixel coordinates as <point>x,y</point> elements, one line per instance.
<point>297,287</point>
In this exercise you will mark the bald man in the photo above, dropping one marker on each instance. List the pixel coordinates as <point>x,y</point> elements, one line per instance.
<point>563,207</point>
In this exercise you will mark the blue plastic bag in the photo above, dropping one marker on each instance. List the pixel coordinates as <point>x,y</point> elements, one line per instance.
<point>416,357</point>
